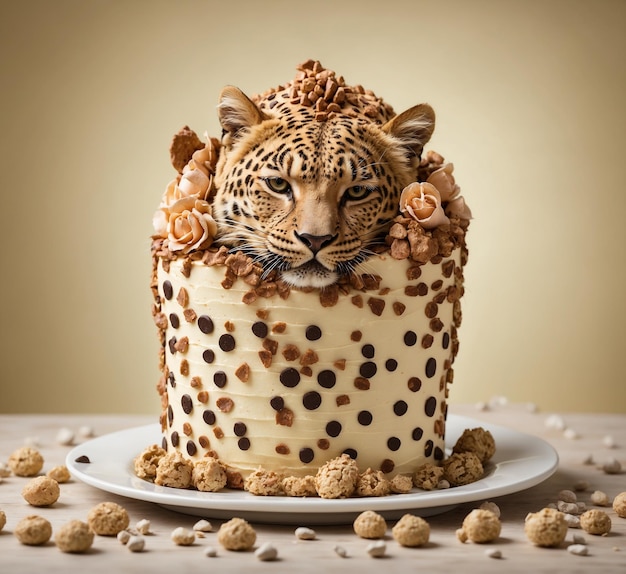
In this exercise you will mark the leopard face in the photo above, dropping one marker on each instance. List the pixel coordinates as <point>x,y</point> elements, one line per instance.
<point>311,198</point>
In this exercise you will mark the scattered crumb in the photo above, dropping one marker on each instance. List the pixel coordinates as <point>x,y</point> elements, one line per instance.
<point>236,534</point>
<point>546,528</point>
<point>26,461</point>
<point>33,530</point>
<point>595,522</point>
<point>108,519</point>
<point>370,524</point>
<point>41,491</point>
<point>74,537</point>
<point>411,531</point>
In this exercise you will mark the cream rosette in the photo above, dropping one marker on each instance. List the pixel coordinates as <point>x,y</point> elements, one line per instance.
<point>422,201</point>
<point>189,224</point>
<point>443,180</point>
<point>194,183</point>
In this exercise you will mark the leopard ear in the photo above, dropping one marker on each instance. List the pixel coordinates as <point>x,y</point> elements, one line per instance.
<point>413,128</point>
<point>236,111</point>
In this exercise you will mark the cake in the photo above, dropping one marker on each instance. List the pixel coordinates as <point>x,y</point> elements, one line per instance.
<point>262,370</point>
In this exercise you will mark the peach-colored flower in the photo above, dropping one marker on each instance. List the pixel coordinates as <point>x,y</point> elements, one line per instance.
<point>457,207</point>
<point>423,203</point>
<point>189,224</point>
<point>194,182</point>
<point>443,180</point>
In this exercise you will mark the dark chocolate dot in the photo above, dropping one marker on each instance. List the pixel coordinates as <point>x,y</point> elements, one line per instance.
<point>417,433</point>
<point>243,443</point>
<point>391,365</point>
<point>313,333</point>
<point>205,324</point>
<point>430,406</point>
<point>431,367</point>
<point>333,428</point>
<point>365,418</point>
<point>277,403</point>
<point>208,356</point>
<point>352,453</point>
<point>445,342</point>
<point>84,458</point>
<point>438,454</point>
<point>191,448</point>
<point>290,377</point>
<point>220,379</point>
<point>306,454</point>
<point>175,438</point>
<point>400,408</point>
<point>172,345</point>
<point>168,290</point>
<point>393,443</point>
<point>208,417</point>
<point>410,338</point>
<point>428,448</point>
<point>187,403</point>
<point>172,379</point>
<point>174,320</point>
<point>414,384</point>
<point>240,428</point>
<point>368,351</point>
<point>387,465</point>
<point>170,414</point>
<point>368,370</point>
<point>311,400</point>
<point>326,379</point>
<point>227,342</point>
<point>260,329</point>
<point>163,445</point>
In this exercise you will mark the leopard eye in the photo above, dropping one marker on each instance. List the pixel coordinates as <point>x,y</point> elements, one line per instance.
<point>357,192</point>
<point>278,185</point>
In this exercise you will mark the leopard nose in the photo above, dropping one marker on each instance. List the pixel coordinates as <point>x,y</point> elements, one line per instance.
<point>315,242</point>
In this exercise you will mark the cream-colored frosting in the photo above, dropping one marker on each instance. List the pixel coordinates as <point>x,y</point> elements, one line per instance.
<point>358,338</point>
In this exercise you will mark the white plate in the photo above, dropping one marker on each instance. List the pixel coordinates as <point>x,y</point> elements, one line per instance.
<point>521,461</point>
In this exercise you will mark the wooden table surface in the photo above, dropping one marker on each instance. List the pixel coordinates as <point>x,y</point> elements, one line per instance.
<point>585,436</point>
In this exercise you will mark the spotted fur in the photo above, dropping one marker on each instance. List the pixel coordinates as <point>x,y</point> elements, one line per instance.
<point>311,198</point>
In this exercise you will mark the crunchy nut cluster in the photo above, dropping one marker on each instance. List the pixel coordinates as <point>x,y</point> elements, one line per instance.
<point>480,526</point>
<point>372,483</point>
<point>33,530</point>
<point>3,519</point>
<point>411,531</point>
<point>174,470</point>
<point>236,534</point>
<point>327,94</point>
<point>146,463</point>
<point>264,483</point>
<point>26,461</point>
<point>299,486</point>
<point>108,519</point>
<point>370,524</point>
<point>337,478</point>
<point>41,491</point>
<point>427,476</point>
<point>476,440</point>
<point>546,528</point>
<point>208,475</point>
<point>462,468</point>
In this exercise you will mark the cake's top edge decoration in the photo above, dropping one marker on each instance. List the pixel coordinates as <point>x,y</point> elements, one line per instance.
<point>308,181</point>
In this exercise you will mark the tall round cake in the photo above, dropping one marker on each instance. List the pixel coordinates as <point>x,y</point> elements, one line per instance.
<point>264,370</point>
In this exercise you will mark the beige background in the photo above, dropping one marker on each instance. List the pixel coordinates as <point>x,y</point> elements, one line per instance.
<point>531,105</point>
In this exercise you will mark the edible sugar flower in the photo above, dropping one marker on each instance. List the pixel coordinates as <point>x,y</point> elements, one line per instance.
<point>422,202</point>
